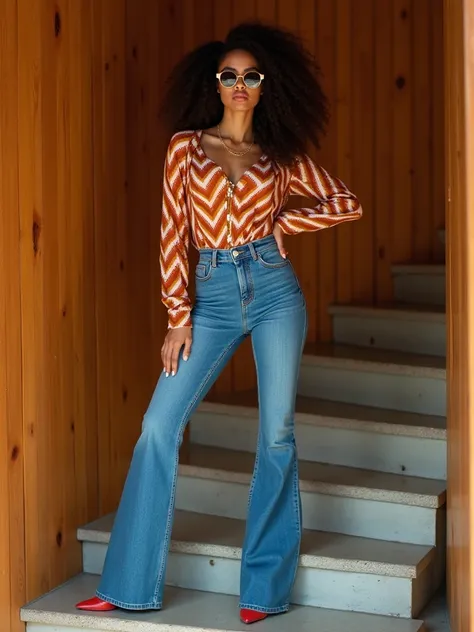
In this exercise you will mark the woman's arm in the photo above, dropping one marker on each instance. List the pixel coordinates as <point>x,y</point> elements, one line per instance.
<point>335,203</point>
<point>174,242</point>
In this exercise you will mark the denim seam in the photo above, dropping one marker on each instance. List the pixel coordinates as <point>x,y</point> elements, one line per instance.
<point>273,266</point>
<point>296,480</point>
<point>257,451</point>
<point>181,425</point>
<point>207,276</point>
<point>124,604</point>
<point>280,609</point>
<point>254,477</point>
<point>250,285</point>
<point>296,496</point>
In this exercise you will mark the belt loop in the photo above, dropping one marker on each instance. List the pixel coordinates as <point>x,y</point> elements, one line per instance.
<point>253,252</point>
<point>214,258</point>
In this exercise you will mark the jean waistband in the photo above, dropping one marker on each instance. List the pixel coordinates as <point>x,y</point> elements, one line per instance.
<point>245,251</point>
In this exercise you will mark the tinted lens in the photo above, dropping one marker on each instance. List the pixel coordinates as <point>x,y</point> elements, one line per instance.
<point>252,79</point>
<point>228,79</point>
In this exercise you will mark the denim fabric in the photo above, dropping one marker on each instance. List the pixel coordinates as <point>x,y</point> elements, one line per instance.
<point>248,290</point>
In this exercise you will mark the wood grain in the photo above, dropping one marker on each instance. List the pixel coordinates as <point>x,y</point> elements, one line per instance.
<point>12,515</point>
<point>459,73</point>
<point>383,165</point>
<point>402,240</point>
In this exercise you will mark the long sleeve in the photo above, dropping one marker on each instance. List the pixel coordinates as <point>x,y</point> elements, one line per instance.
<point>174,241</point>
<point>335,203</point>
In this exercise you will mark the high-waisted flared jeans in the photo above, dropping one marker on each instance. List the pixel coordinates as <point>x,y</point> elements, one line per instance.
<point>247,290</point>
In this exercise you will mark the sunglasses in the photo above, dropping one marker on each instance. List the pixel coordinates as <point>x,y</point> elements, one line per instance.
<point>229,78</point>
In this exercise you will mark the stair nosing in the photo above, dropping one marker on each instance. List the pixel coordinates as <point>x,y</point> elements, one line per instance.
<point>428,269</point>
<point>399,312</point>
<point>328,489</point>
<point>306,560</point>
<point>40,612</point>
<point>330,421</point>
<point>383,361</point>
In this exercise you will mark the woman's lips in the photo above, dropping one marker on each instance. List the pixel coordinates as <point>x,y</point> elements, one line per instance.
<point>240,97</point>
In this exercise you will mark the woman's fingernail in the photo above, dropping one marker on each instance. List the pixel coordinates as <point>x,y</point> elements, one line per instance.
<point>185,358</point>
<point>167,375</point>
<point>173,374</point>
<point>284,255</point>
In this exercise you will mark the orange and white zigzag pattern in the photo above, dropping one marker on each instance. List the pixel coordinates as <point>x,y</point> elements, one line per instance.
<point>195,207</point>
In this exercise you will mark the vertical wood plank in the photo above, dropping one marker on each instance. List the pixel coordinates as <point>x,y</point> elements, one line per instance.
<point>307,244</point>
<point>62,440</point>
<point>287,14</point>
<point>222,18</point>
<point>51,440</point>
<point>12,517</point>
<point>363,145</point>
<point>110,247</point>
<point>326,42</point>
<point>383,171</point>
<point>32,323</point>
<point>157,140</point>
<point>342,111</point>
<point>203,22</point>
<point>266,10</point>
<point>459,73</point>
<point>402,131</point>
<point>421,143</point>
<point>438,152</point>
<point>82,310</point>
<point>244,10</point>
<point>138,143</point>
<point>189,8</point>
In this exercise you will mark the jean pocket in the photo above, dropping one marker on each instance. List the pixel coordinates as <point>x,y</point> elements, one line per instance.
<point>203,271</point>
<point>272,258</point>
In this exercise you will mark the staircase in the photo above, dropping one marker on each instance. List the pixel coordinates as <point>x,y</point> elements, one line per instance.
<point>371,432</point>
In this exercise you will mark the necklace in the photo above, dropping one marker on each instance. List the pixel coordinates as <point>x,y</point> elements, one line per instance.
<point>231,151</point>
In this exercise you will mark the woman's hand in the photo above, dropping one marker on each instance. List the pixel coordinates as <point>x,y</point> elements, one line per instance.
<point>175,339</point>
<point>278,234</point>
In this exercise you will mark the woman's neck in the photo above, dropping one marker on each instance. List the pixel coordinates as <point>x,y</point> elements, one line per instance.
<point>237,126</point>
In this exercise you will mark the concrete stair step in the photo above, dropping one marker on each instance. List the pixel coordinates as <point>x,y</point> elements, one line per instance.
<point>374,377</point>
<point>335,498</point>
<point>335,571</point>
<point>414,329</point>
<point>190,611</point>
<point>420,283</point>
<point>333,432</point>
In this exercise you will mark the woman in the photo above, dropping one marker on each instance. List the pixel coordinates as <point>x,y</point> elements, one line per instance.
<point>242,111</point>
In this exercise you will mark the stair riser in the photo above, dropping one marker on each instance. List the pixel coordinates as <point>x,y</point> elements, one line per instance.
<point>420,289</point>
<point>413,456</point>
<point>412,393</point>
<point>352,516</point>
<point>358,592</point>
<point>416,336</point>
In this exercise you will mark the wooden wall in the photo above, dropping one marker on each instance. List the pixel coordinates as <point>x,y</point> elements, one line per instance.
<point>48,378</point>
<point>81,158</point>
<point>459,25</point>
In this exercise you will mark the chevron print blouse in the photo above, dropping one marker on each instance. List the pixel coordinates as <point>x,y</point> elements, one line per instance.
<point>200,203</point>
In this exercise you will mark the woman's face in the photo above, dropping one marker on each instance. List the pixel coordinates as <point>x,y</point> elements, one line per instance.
<point>239,97</point>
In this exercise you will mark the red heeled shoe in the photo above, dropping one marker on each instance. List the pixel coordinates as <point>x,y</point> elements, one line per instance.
<point>95,605</point>
<point>252,616</point>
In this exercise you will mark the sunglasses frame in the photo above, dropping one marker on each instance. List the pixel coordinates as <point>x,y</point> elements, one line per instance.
<point>262,77</point>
